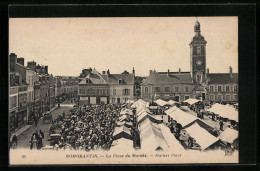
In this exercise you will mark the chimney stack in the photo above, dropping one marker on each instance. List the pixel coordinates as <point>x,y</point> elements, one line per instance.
<point>150,72</point>
<point>207,70</point>
<point>20,61</point>
<point>134,70</point>
<point>230,70</point>
<point>179,70</point>
<point>46,70</point>
<point>103,72</point>
<point>31,65</point>
<point>168,73</point>
<point>13,61</point>
<point>108,72</point>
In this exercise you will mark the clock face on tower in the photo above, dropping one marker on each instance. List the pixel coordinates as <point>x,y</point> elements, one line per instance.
<point>198,62</point>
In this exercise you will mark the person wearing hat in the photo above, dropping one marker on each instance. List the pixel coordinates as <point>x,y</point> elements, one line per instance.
<point>14,141</point>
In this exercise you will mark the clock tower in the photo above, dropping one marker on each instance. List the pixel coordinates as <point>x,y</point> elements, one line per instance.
<point>198,56</point>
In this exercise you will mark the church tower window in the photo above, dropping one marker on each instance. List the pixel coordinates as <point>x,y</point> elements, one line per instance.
<point>198,50</point>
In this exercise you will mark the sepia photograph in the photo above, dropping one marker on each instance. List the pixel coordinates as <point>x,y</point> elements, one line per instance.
<point>123,90</point>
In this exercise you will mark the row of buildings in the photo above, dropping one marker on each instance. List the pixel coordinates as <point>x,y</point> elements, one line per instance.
<point>95,87</point>
<point>105,87</point>
<point>197,83</point>
<point>32,91</point>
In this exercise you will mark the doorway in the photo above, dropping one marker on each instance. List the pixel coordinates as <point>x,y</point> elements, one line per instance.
<point>177,98</point>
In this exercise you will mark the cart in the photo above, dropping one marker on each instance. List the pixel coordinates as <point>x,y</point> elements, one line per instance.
<point>47,116</point>
<point>54,139</point>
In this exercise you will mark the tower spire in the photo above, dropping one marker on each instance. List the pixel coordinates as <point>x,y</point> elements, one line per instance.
<point>197,27</point>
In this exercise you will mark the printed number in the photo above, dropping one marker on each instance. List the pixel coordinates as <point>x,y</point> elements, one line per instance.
<point>228,152</point>
<point>23,156</point>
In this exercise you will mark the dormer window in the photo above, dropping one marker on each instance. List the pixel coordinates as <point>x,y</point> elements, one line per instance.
<point>87,81</point>
<point>120,81</point>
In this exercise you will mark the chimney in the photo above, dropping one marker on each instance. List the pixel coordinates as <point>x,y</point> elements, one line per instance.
<point>133,70</point>
<point>207,70</point>
<point>31,65</point>
<point>230,70</point>
<point>150,72</point>
<point>13,58</point>
<point>20,61</point>
<point>43,69</point>
<point>179,70</point>
<point>13,61</point>
<point>46,70</point>
<point>108,72</point>
<point>103,72</point>
<point>168,73</point>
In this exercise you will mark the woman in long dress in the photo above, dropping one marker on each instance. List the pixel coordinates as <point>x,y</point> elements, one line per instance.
<point>34,142</point>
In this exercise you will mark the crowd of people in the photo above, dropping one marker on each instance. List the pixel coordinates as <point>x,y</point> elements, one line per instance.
<point>89,127</point>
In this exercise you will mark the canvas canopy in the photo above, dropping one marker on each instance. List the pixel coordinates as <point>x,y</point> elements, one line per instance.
<point>202,137</point>
<point>125,118</point>
<point>127,124</point>
<point>126,111</point>
<point>171,110</point>
<point>142,117</point>
<point>140,111</point>
<point>122,132</point>
<point>202,124</point>
<point>191,101</point>
<point>224,111</point>
<point>172,102</point>
<point>156,118</point>
<point>130,101</point>
<point>182,117</point>
<point>228,135</point>
<point>139,103</point>
<point>161,102</point>
<point>153,118</point>
<point>151,137</point>
<point>172,142</point>
<point>122,144</point>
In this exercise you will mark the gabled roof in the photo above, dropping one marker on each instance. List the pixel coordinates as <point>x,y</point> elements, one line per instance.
<point>113,78</point>
<point>222,78</point>
<point>202,137</point>
<point>156,78</point>
<point>94,77</point>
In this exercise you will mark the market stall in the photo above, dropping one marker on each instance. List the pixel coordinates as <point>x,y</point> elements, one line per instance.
<point>122,132</point>
<point>202,137</point>
<point>151,137</point>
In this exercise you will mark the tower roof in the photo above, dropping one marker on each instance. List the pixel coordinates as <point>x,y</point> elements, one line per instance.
<point>198,38</point>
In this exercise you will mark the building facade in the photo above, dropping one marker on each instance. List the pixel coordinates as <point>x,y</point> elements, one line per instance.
<point>223,87</point>
<point>98,88</point>
<point>198,83</point>
<point>28,87</point>
<point>66,87</point>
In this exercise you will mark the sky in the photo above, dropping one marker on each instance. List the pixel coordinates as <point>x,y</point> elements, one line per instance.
<point>68,45</point>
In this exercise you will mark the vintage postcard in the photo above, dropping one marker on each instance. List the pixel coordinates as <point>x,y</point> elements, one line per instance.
<point>123,90</point>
